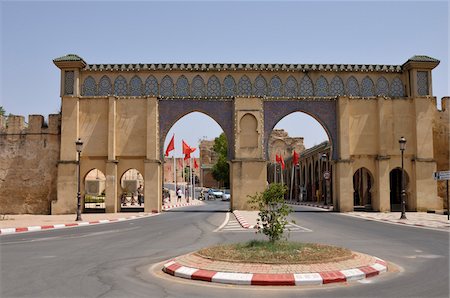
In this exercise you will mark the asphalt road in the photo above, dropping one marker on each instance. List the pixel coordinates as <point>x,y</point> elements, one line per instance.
<point>123,259</point>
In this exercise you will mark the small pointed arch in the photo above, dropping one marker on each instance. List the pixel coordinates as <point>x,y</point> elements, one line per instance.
<point>120,86</point>
<point>198,86</point>
<point>260,88</point>
<point>248,131</point>
<point>397,89</point>
<point>135,86</point>
<point>291,87</point>
<point>166,86</point>
<point>382,87</point>
<point>213,87</point>
<point>362,187</point>
<point>367,87</point>
<point>245,86</point>
<point>151,86</point>
<point>276,87</point>
<point>89,87</point>
<point>229,86</point>
<point>337,86</point>
<point>104,86</point>
<point>306,86</point>
<point>321,86</point>
<point>182,86</point>
<point>353,86</point>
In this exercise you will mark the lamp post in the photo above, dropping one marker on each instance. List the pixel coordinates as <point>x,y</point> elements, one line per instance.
<point>79,147</point>
<point>326,176</point>
<point>402,143</point>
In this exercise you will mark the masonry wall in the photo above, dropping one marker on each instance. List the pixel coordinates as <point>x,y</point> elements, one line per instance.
<point>441,137</point>
<point>29,154</point>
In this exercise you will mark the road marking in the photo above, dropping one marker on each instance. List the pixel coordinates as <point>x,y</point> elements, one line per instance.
<point>227,218</point>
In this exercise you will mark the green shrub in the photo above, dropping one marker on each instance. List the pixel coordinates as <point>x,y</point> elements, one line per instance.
<point>272,211</point>
<point>94,199</point>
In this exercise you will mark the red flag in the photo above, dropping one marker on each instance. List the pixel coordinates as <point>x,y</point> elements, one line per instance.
<point>189,150</point>
<point>277,158</point>
<point>171,145</point>
<point>282,162</point>
<point>185,147</point>
<point>195,164</point>
<point>295,158</point>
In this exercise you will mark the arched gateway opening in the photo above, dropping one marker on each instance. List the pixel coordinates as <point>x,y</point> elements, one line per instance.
<point>123,113</point>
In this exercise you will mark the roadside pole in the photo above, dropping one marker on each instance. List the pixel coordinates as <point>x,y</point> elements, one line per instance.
<point>444,175</point>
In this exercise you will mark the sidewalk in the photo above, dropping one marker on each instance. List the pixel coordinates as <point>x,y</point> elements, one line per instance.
<point>16,223</point>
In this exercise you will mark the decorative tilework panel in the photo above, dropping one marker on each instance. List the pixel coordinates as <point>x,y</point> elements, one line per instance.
<point>291,87</point>
<point>367,87</point>
<point>151,86</point>
<point>104,86</point>
<point>166,86</point>
<point>382,87</point>
<point>422,83</point>
<point>182,87</point>
<point>69,80</point>
<point>198,86</point>
<point>260,86</point>
<point>397,88</point>
<point>213,86</point>
<point>352,86</point>
<point>245,86</point>
<point>321,86</point>
<point>89,87</point>
<point>135,86</point>
<point>306,87</point>
<point>229,86</point>
<point>120,86</point>
<point>275,86</point>
<point>337,87</point>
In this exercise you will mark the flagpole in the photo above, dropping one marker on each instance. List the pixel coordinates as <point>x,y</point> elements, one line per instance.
<point>184,180</point>
<point>275,173</point>
<point>174,173</point>
<point>292,182</point>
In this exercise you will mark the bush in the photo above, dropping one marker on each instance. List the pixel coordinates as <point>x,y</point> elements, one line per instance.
<point>272,211</point>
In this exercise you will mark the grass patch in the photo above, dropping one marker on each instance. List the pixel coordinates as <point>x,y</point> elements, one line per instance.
<point>279,252</point>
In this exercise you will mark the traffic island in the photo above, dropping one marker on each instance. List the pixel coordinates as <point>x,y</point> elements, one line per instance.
<point>308,267</point>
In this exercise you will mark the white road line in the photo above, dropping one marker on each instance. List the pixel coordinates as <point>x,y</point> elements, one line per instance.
<point>227,218</point>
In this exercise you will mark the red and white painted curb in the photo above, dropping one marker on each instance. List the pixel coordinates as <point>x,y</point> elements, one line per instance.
<point>281,279</point>
<point>5,231</point>
<point>242,221</point>
<point>167,207</point>
<point>311,205</point>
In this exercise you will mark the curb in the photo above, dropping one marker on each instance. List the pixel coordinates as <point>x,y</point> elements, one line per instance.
<point>164,208</point>
<point>6,231</point>
<point>311,205</point>
<point>280,279</point>
<point>242,221</point>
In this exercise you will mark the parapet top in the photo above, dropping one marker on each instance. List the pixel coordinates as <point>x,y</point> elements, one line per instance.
<point>73,60</point>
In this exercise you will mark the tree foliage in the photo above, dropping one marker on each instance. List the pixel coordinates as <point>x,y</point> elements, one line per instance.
<point>221,170</point>
<point>2,111</point>
<point>272,211</point>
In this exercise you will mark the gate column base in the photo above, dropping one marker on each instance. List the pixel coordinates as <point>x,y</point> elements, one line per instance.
<point>152,186</point>
<point>248,176</point>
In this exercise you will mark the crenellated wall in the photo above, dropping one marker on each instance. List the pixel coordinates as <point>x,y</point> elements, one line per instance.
<point>29,154</point>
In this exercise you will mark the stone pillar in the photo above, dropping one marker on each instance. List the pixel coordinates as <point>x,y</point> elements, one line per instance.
<point>111,198</point>
<point>344,185</point>
<point>152,165</point>
<point>248,169</point>
<point>382,202</point>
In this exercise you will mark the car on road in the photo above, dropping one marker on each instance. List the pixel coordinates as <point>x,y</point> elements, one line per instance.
<point>214,194</point>
<point>226,195</point>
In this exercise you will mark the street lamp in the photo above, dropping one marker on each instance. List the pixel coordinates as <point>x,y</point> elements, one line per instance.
<point>402,143</point>
<point>326,175</point>
<point>79,147</point>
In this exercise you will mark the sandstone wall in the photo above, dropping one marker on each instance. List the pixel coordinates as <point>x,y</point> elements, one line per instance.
<point>441,136</point>
<point>29,155</point>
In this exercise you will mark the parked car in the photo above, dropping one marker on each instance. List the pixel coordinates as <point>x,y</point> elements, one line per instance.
<point>214,194</point>
<point>226,195</point>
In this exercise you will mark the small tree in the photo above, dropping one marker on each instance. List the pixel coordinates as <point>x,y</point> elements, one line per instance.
<point>272,211</point>
<point>2,111</point>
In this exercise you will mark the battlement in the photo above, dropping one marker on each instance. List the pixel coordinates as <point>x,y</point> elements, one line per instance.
<point>445,102</point>
<point>36,124</point>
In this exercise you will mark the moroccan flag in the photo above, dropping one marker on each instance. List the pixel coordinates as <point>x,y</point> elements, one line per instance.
<point>282,162</point>
<point>187,155</point>
<point>295,158</point>
<point>185,147</point>
<point>171,145</point>
<point>195,164</point>
<point>277,158</point>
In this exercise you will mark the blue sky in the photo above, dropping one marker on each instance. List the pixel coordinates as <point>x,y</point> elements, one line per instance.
<point>384,32</point>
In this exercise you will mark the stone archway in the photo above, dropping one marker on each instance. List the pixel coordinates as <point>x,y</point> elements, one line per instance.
<point>362,189</point>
